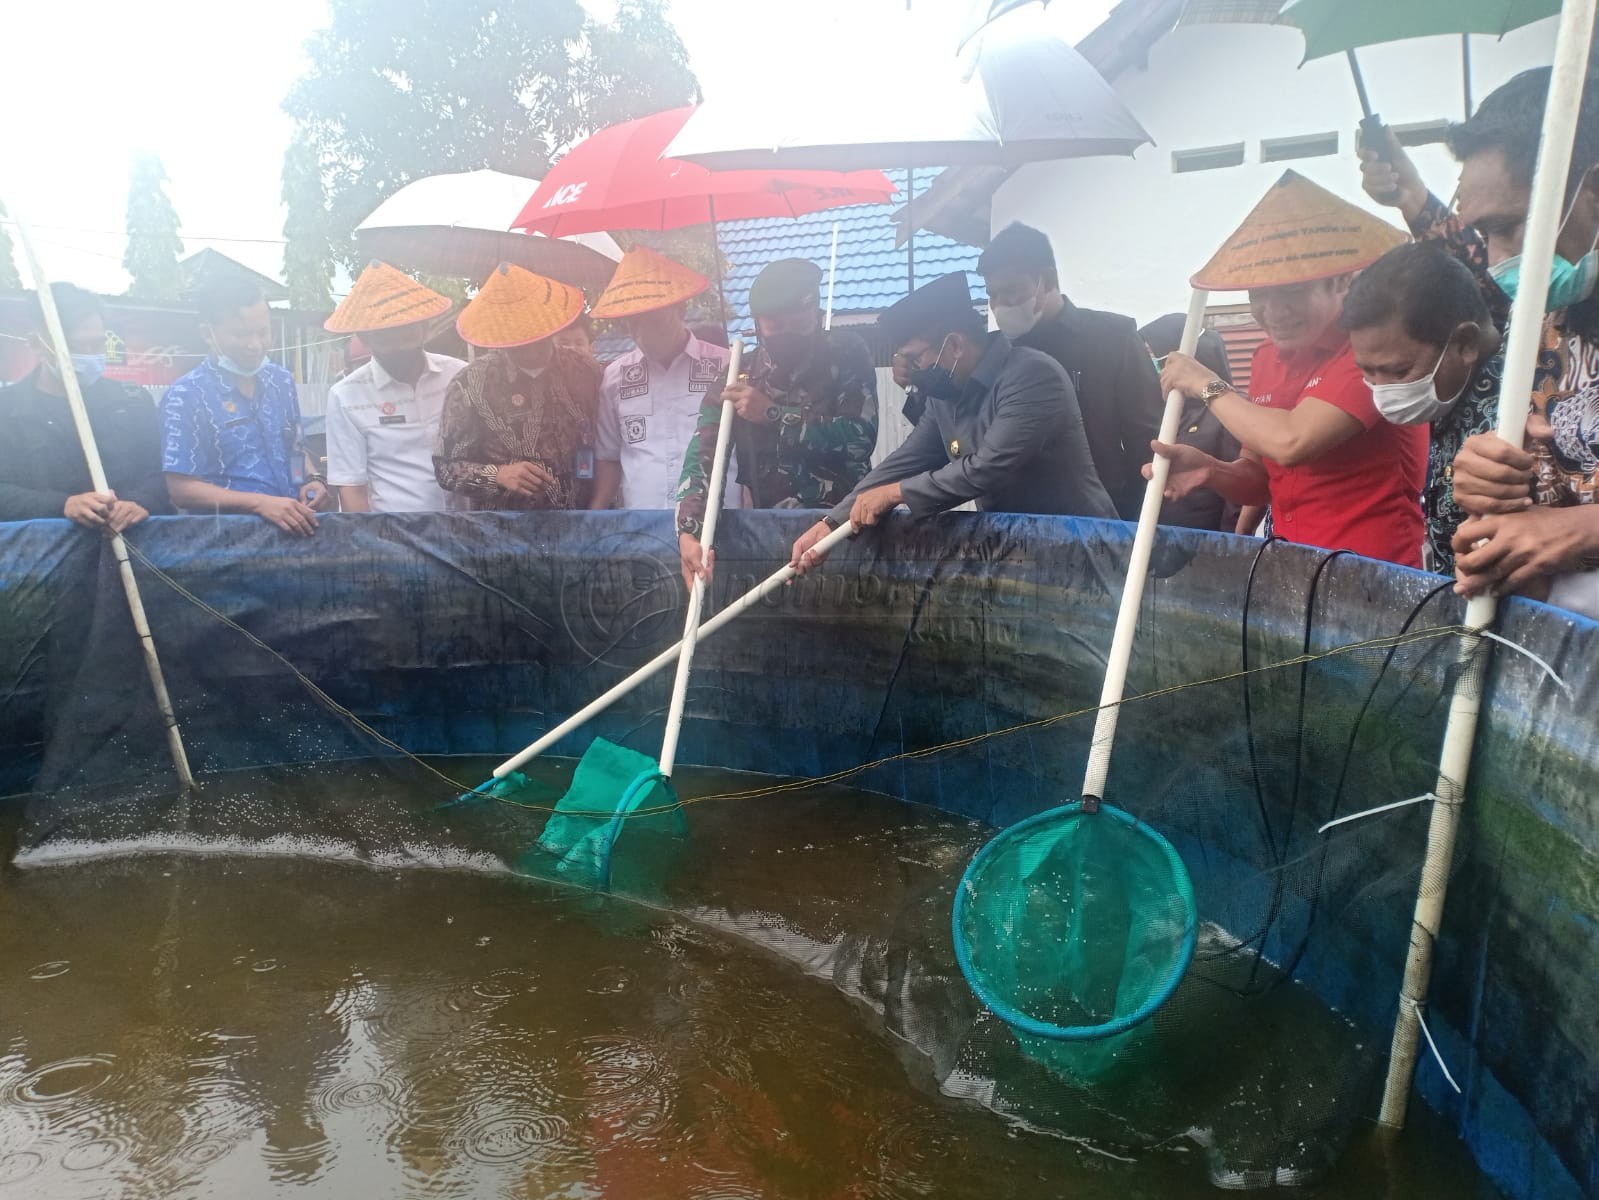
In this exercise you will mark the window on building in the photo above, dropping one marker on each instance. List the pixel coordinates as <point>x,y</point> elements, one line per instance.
<point>1207,158</point>
<point>1309,145</point>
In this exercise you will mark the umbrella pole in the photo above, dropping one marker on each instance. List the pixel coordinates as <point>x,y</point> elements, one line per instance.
<point>119,548</point>
<point>716,259</point>
<point>1360,85</point>
<point>1465,71</point>
<point>1121,645</point>
<point>1521,353</point>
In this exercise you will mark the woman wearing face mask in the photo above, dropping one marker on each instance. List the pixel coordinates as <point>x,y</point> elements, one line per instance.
<point>1551,546</point>
<point>1428,349</point>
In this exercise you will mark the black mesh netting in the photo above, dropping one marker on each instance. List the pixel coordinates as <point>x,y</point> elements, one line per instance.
<point>961,659</point>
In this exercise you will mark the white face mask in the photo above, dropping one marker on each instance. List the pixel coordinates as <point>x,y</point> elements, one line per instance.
<point>1416,402</point>
<point>1018,320</point>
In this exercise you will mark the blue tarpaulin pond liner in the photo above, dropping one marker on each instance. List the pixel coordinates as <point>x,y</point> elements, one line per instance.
<point>944,653</point>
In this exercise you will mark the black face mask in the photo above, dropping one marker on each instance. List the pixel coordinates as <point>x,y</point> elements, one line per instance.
<point>936,381</point>
<point>790,350</point>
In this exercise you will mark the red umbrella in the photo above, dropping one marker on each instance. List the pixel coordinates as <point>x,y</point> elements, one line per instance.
<point>617,179</point>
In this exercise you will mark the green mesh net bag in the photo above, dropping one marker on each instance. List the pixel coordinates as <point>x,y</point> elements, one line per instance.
<point>613,788</point>
<point>1073,927</point>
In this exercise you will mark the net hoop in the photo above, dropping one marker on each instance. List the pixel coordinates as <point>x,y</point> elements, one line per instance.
<point>1020,1020</point>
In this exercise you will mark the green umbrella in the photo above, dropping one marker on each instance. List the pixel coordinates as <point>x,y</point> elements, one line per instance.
<point>1337,26</point>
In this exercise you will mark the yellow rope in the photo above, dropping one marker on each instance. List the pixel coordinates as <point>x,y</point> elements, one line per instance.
<point>1298,660</point>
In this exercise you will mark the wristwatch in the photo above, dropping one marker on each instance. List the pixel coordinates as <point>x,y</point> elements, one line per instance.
<point>1216,387</point>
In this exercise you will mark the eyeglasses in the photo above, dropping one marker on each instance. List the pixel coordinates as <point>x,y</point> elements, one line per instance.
<point>910,358</point>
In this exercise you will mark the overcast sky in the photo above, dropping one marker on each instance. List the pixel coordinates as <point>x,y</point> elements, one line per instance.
<point>85,84</point>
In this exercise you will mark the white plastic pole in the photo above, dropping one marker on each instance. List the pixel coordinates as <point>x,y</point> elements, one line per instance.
<point>696,597</point>
<point>665,658</point>
<point>832,279</point>
<point>119,548</point>
<point>1121,644</point>
<point>1521,353</point>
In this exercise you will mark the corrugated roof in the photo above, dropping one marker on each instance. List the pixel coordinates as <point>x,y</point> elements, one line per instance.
<point>871,269</point>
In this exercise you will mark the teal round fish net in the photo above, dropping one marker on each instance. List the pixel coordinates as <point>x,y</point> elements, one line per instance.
<point>1074,926</point>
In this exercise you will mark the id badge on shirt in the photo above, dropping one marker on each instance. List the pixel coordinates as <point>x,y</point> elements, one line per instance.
<point>585,462</point>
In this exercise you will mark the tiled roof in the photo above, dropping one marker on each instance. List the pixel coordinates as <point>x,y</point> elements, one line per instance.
<point>871,269</point>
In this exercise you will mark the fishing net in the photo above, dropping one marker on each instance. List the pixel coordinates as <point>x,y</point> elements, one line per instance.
<point>955,664</point>
<point>1073,927</point>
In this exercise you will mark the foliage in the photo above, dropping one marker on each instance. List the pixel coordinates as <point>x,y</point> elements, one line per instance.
<point>153,243</point>
<point>9,278</point>
<point>401,89</point>
<point>308,254</point>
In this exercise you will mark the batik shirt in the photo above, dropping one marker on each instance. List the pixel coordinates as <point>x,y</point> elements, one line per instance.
<point>1565,386</point>
<point>496,414</point>
<point>815,443</point>
<point>214,432</point>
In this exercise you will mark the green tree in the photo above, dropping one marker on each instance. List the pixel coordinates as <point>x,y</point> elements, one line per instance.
<point>153,242</point>
<point>401,89</point>
<point>308,253</point>
<point>8,263</point>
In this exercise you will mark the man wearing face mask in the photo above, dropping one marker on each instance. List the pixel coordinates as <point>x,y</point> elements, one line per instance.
<point>1534,521</point>
<point>807,411</point>
<point>651,396</point>
<point>43,472</point>
<point>231,440</point>
<point>383,417</point>
<point>1001,426</point>
<point>1101,352</point>
<point>1427,347</point>
<point>518,426</point>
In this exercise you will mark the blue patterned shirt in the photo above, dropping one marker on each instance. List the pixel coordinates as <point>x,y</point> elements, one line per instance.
<point>213,431</point>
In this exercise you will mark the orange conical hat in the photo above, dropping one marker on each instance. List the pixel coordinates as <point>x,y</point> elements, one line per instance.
<point>515,306</point>
<point>384,298</point>
<point>1297,233</point>
<point>645,281</point>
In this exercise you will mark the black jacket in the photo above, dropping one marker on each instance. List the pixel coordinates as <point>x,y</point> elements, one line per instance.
<point>1118,391</point>
<point>1013,442</point>
<point>42,464</point>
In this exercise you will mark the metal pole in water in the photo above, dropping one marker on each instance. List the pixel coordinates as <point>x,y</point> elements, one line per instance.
<point>119,548</point>
<point>1521,351</point>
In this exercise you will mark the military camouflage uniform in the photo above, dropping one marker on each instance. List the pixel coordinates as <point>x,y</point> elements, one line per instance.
<point>814,446</point>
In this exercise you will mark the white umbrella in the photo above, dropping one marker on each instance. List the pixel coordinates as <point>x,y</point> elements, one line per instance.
<point>1027,96</point>
<point>460,225</point>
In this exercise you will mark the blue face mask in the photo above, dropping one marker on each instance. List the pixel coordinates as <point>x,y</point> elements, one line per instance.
<point>89,368</point>
<point>1568,283</point>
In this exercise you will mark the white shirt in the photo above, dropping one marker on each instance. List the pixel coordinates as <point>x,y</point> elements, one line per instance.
<point>382,433</point>
<point>648,414</point>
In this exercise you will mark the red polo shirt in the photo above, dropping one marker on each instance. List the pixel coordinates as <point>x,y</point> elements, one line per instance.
<point>1363,495</point>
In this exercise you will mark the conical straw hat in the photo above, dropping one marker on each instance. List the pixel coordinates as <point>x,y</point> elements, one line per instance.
<point>515,307</point>
<point>1298,233</point>
<point>645,281</point>
<point>384,298</point>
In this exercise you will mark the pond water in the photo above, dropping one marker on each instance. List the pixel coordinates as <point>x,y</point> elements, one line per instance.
<point>331,1020</point>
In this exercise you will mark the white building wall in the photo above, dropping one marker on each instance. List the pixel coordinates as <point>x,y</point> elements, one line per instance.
<point>1128,233</point>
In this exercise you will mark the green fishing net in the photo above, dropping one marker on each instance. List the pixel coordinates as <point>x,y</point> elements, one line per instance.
<point>1073,927</point>
<point>613,788</point>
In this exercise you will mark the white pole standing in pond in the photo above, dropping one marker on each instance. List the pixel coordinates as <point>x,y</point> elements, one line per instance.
<point>696,599</point>
<point>1521,353</point>
<point>91,452</point>
<point>1121,645</point>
